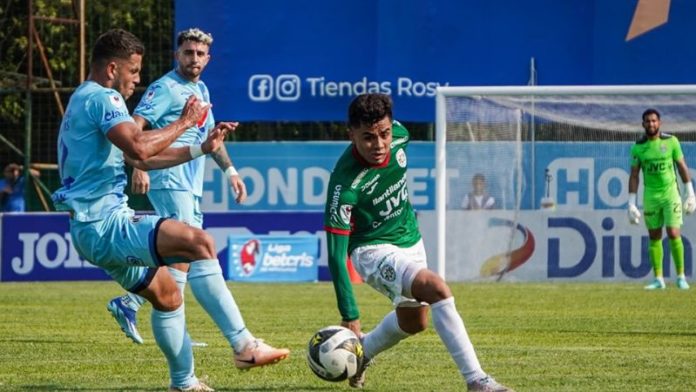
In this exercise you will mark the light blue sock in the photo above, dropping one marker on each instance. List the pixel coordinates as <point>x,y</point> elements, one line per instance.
<point>169,329</point>
<point>133,301</point>
<point>210,290</point>
<point>179,278</point>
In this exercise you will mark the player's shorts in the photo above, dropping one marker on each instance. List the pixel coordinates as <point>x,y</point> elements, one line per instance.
<point>180,205</point>
<point>124,245</point>
<point>665,212</point>
<point>390,269</point>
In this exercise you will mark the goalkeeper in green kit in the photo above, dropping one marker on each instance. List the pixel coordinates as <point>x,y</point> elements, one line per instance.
<point>369,216</point>
<point>657,154</point>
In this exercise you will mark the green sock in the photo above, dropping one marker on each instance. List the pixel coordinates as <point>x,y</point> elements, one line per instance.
<point>655,253</point>
<point>677,247</point>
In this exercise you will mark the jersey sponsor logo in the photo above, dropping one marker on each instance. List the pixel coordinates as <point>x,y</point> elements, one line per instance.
<point>370,185</point>
<point>345,212</point>
<point>358,178</point>
<point>114,114</point>
<point>335,196</point>
<point>401,158</point>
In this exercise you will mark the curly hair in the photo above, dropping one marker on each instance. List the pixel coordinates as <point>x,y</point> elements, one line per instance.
<point>367,109</point>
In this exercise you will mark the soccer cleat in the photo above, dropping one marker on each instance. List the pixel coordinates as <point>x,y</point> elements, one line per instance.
<point>200,387</point>
<point>487,384</point>
<point>656,284</point>
<point>125,317</point>
<point>682,284</point>
<point>257,353</point>
<point>358,380</point>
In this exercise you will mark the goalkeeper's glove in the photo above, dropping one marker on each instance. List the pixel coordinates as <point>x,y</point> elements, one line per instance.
<point>690,201</point>
<point>633,212</point>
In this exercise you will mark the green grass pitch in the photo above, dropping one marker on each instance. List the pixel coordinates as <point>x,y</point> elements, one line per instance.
<point>533,337</point>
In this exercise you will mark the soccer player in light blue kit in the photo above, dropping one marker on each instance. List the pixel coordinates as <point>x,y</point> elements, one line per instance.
<point>97,137</point>
<point>176,192</point>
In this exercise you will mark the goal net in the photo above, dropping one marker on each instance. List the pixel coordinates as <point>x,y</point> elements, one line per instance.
<point>500,150</point>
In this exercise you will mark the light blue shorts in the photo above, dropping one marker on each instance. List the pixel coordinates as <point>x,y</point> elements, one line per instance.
<point>180,205</point>
<point>124,245</point>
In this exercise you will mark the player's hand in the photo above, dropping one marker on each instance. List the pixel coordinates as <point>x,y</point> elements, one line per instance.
<point>354,326</point>
<point>216,137</point>
<point>194,109</point>
<point>689,204</point>
<point>140,182</point>
<point>239,188</point>
<point>633,214</point>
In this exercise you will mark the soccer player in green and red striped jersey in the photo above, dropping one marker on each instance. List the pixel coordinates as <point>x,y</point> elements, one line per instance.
<point>657,154</point>
<point>369,216</point>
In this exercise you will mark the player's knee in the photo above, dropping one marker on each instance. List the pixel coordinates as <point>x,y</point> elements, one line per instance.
<point>430,288</point>
<point>168,300</point>
<point>413,322</point>
<point>203,245</point>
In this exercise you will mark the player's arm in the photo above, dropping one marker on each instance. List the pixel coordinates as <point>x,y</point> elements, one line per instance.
<point>337,245</point>
<point>633,181</point>
<point>140,145</point>
<point>224,162</point>
<point>140,180</point>
<point>690,201</point>
<point>173,156</point>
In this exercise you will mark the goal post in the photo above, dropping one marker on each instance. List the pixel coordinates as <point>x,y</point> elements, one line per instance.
<point>496,131</point>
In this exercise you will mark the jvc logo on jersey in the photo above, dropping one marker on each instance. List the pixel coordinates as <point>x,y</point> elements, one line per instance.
<point>50,250</point>
<point>285,87</point>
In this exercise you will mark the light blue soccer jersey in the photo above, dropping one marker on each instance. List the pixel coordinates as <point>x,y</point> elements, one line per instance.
<point>161,105</point>
<point>91,168</point>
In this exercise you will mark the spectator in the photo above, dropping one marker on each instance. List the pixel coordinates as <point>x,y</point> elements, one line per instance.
<point>478,198</point>
<point>12,188</point>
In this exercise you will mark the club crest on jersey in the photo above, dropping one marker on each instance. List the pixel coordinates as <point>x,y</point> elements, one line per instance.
<point>387,272</point>
<point>663,148</point>
<point>201,122</point>
<point>116,101</point>
<point>344,213</point>
<point>401,158</point>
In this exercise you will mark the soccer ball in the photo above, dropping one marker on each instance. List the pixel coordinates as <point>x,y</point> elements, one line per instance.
<point>335,353</point>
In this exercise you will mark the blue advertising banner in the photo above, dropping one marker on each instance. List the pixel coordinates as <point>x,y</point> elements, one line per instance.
<point>268,258</point>
<point>306,59</point>
<point>287,176</point>
<point>38,247</point>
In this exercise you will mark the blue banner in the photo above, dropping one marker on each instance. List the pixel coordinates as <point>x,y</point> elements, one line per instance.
<point>267,258</point>
<point>38,247</point>
<point>293,176</point>
<point>306,59</point>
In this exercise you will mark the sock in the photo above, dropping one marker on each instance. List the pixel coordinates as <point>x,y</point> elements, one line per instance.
<point>133,301</point>
<point>655,253</point>
<point>179,278</point>
<point>385,335</point>
<point>676,246</point>
<point>450,327</point>
<point>169,329</point>
<point>210,290</point>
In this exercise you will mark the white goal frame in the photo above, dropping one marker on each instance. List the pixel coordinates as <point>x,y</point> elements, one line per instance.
<point>441,127</point>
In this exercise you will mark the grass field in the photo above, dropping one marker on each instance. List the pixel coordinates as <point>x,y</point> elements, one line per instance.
<point>533,337</point>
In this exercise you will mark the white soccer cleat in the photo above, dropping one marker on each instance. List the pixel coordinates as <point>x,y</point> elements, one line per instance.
<point>257,353</point>
<point>487,384</point>
<point>200,387</point>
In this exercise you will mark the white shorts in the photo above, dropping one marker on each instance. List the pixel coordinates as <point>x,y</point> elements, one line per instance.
<point>390,269</point>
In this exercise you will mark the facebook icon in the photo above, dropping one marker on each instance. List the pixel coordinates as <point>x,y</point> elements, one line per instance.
<point>261,88</point>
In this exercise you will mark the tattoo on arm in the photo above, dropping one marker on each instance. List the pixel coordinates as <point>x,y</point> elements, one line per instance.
<point>221,158</point>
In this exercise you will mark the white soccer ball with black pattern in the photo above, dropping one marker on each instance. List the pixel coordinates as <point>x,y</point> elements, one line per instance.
<point>335,353</point>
